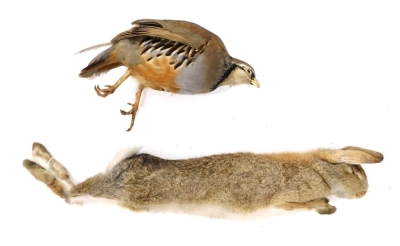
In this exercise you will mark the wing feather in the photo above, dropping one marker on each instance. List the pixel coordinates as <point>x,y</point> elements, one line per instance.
<point>163,30</point>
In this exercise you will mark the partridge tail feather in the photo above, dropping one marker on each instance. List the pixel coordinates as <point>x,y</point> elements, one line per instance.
<point>94,47</point>
<point>102,63</point>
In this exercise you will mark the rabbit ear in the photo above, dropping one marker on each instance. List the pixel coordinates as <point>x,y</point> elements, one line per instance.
<point>358,155</point>
<point>351,155</point>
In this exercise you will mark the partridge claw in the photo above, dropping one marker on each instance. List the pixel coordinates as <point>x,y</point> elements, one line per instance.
<point>130,112</point>
<point>104,92</point>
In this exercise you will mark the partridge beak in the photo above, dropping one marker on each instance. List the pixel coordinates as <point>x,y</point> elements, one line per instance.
<point>255,83</point>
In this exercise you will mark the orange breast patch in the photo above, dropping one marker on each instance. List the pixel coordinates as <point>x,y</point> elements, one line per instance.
<point>157,74</point>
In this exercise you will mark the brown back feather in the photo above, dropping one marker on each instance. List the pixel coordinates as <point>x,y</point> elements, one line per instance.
<point>166,30</point>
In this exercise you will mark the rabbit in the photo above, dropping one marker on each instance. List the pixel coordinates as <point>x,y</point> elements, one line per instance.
<point>237,182</point>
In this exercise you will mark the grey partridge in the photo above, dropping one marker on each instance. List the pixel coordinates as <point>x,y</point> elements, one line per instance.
<point>168,55</point>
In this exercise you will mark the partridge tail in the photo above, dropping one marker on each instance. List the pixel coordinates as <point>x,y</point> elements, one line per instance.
<point>102,63</point>
<point>94,47</point>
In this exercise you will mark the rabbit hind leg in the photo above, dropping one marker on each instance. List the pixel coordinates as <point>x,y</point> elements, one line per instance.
<point>43,157</point>
<point>46,177</point>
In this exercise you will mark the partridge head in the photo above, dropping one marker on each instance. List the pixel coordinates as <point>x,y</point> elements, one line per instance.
<point>168,55</point>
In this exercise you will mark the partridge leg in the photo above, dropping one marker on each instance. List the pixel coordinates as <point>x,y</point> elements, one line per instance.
<point>135,106</point>
<point>111,88</point>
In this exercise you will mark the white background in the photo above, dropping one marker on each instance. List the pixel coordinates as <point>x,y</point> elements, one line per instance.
<point>329,74</point>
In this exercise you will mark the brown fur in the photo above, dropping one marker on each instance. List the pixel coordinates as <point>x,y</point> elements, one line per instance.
<point>238,182</point>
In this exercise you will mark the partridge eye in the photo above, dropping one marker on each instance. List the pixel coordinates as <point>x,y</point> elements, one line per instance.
<point>252,75</point>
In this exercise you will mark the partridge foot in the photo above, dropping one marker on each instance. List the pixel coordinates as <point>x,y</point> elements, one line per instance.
<point>131,112</point>
<point>109,89</point>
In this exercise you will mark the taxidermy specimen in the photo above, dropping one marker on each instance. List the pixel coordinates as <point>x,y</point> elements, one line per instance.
<point>239,182</point>
<point>168,55</point>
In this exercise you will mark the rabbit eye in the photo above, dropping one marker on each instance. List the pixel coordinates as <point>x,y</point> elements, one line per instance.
<point>357,170</point>
<point>349,170</point>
